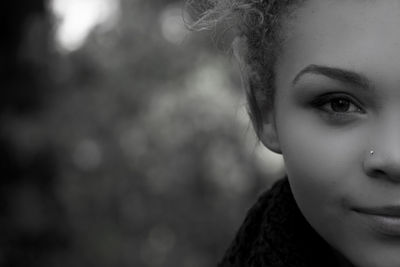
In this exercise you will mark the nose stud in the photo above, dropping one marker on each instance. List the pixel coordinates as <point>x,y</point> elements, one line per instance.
<point>371,152</point>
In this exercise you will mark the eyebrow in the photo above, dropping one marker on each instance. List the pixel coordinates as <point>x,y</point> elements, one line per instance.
<point>342,75</point>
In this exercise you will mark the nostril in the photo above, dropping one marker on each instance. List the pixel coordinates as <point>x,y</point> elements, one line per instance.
<point>381,165</point>
<point>380,174</point>
<point>377,173</point>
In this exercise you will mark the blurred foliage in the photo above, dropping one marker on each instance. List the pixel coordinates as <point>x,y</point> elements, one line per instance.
<point>140,152</point>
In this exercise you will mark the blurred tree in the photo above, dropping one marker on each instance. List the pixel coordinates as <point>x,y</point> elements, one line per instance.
<point>156,169</point>
<point>32,229</point>
<point>131,151</point>
<point>16,17</point>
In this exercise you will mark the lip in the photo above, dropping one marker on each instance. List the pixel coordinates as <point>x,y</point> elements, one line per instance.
<point>382,220</point>
<point>386,211</point>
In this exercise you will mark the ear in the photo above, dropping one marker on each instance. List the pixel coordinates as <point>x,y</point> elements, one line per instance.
<point>269,133</point>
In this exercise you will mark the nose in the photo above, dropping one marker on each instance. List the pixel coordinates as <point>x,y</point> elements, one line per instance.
<point>383,159</point>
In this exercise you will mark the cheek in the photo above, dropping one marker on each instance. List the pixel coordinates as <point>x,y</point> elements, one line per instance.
<point>323,164</point>
<point>311,162</point>
<point>314,148</point>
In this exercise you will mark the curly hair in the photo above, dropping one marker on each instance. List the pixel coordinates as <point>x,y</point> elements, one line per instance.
<point>258,22</point>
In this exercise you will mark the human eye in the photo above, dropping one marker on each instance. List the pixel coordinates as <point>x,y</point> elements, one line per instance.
<point>338,107</point>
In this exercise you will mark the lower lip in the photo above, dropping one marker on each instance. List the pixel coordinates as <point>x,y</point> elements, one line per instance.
<point>383,225</point>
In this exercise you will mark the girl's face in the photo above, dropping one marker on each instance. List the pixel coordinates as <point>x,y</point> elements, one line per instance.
<point>337,98</point>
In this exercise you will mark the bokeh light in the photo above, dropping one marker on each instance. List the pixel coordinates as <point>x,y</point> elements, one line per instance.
<point>77,18</point>
<point>172,24</point>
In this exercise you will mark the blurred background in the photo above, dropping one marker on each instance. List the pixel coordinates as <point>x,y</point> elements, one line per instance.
<point>124,137</point>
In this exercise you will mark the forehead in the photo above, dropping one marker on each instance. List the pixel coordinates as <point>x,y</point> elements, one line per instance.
<point>354,34</point>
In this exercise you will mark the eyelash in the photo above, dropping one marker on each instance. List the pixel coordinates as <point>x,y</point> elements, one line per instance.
<point>324,103</point>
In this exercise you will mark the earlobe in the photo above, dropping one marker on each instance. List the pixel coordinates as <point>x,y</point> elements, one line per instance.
<point>269,134</point>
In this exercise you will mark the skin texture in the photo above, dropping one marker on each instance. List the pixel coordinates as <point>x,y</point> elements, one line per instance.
<point>326,141</point>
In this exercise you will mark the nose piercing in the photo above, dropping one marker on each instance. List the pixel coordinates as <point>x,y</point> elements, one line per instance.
<point>372,152</point>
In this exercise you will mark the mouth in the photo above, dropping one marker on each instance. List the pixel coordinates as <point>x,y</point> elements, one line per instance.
<point>382,220</point>
<point>386,211</point>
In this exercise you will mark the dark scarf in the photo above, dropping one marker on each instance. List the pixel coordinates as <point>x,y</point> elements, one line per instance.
<point>275,234</point>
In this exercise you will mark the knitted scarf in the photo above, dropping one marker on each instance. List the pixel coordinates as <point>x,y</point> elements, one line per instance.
<point>275,234</point>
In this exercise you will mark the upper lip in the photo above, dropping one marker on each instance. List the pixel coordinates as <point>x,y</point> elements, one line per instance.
<point>389,211</point>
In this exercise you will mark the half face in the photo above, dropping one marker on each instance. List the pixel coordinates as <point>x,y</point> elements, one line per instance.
<point>337,98</point>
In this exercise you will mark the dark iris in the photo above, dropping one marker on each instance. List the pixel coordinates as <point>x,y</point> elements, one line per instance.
<point>340,105</point>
